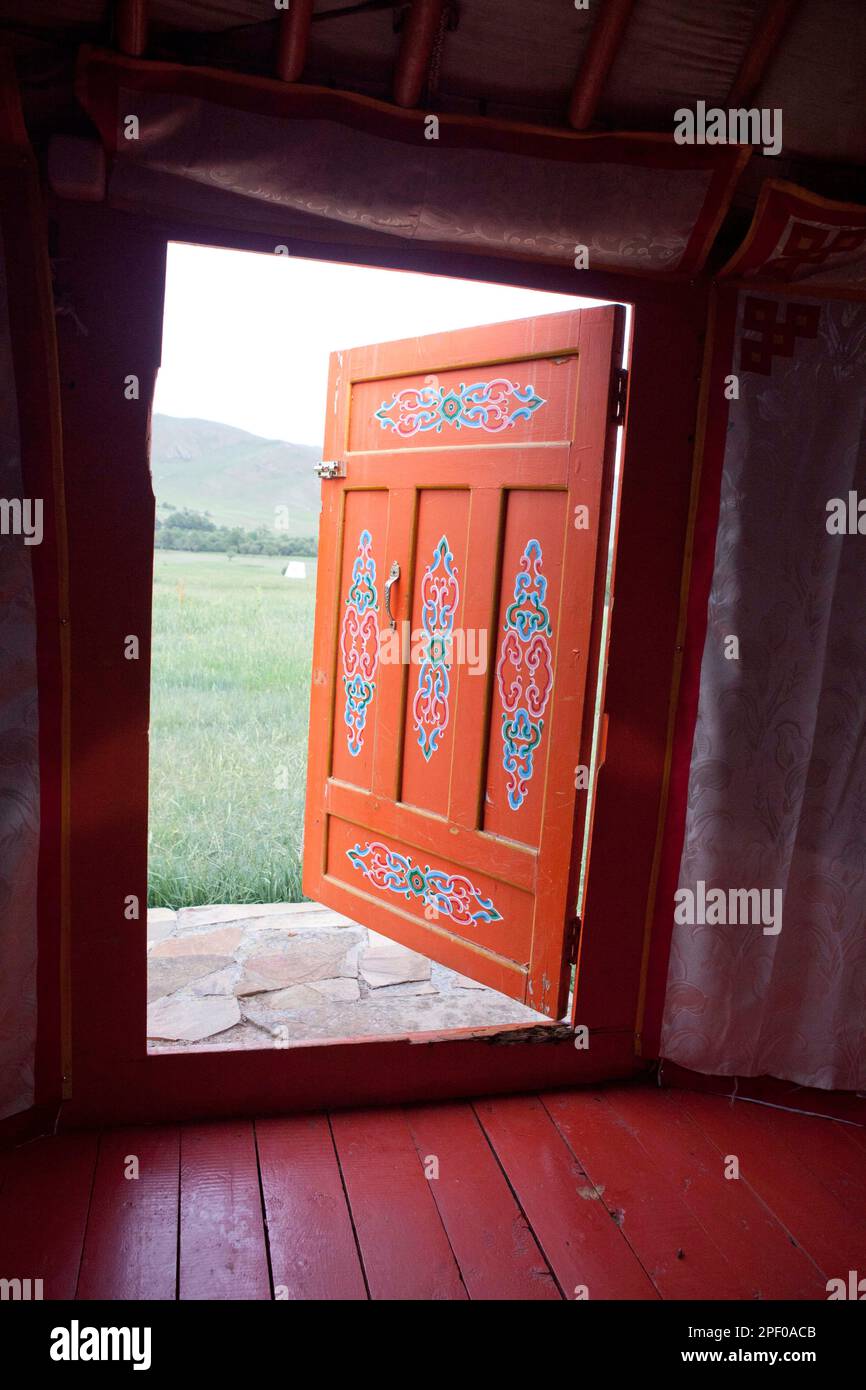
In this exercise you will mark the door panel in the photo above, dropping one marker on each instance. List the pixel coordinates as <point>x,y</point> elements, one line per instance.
<point>365,532</point>
<point>444,736</point>
<point>518,402</point>
<point>392,874</point>
<point>436,628</point>
<point>530,589</point>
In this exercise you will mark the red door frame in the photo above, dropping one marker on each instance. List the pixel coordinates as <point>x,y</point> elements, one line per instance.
<point>113,274</point>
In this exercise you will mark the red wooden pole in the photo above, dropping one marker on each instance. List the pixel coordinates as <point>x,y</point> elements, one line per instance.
<point>768,33</point>
<point>601,50</point>
<point>130,20</point>
<point>294,39</point>
<point>416,50</point>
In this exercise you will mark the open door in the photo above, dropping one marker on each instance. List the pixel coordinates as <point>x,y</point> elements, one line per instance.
<point>465,486</point>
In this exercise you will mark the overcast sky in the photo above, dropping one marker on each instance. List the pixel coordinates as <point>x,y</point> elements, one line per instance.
<point>247,336</point>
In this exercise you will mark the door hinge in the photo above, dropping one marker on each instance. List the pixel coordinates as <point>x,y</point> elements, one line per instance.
<point>330,468</point>
<point>620,391</point>
<point>572,938</point>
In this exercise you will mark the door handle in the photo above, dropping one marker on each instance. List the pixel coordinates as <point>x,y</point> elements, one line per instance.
<point>389,584</point>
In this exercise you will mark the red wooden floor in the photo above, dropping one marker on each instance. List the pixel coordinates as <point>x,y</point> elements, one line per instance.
<point>617,1190</point>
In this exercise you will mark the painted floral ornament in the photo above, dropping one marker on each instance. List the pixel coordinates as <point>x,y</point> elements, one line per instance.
<point>440,595</point>
<point>359,643</point>
<point>492,406</point>
<point>524,673</point>
<point>452,895</point>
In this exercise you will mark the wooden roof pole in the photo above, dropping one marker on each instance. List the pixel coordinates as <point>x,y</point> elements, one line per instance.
<point>416,49</point>
<point>604,41</point>
<point>767,36</point>
<point>294,39</point>
<point>130,27</point>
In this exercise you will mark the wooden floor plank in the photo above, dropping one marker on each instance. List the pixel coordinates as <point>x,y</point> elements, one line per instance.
<point>43,1211</point>
<point>583,1246</point>
<point>828,1150</point>
<point>833,1234</point>
<point>523,1188</point>
<point>672,1245</point>
<point>130,1249</point>
<point>312,1244</point>
<point>857,1135</point>
<point>403,1243</point>
<point>749,1236</point>
<point>497,1253</point>
<point>223,1253</point>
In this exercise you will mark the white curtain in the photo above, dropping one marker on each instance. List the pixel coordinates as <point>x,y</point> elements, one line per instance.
<point>777,787</point>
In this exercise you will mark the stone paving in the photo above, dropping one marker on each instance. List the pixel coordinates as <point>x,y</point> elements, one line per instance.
<point>283,973</point>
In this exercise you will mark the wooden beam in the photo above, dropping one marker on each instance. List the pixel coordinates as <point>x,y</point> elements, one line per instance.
<point>416,49</point>
<point>130,26</point>
<point>768,33</point>
<point>604,42</point>
<point>294,39</point>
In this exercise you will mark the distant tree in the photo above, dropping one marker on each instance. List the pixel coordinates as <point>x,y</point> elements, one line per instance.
<point>189,520</point>
<point>191,530</point>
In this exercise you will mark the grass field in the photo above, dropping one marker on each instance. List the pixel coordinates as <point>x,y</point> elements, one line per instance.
<point>232,643</point>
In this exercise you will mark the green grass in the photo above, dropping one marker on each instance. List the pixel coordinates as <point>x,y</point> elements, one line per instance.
<point>232,646</point>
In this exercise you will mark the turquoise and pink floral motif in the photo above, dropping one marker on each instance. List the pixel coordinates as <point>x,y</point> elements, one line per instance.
<point>452,895</point>
<point>440,595</point>
<point>524,673</point>
<point>492,406</point>
<point>359,643</point>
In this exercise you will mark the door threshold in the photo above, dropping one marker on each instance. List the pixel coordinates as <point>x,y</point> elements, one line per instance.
<point>282,975</point>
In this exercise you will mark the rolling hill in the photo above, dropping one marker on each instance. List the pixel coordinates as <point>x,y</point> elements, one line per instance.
<point>238,478</point>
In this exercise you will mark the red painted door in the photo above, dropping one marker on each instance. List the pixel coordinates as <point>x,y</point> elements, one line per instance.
<point>457,607</point>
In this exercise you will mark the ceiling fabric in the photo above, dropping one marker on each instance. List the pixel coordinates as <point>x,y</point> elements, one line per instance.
<point>218,145</point>
<point>674,53</point>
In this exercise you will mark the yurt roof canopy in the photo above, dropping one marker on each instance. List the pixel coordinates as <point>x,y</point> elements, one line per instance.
<point>627,65</point>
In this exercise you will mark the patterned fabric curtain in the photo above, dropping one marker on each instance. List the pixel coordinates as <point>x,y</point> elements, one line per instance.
<point>777,788</point>
<point>19,759</point>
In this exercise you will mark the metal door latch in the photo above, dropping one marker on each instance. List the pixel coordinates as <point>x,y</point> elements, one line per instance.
<point>330,468</point>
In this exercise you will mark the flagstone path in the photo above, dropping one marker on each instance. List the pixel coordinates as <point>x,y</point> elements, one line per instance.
<point>281,973</point>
